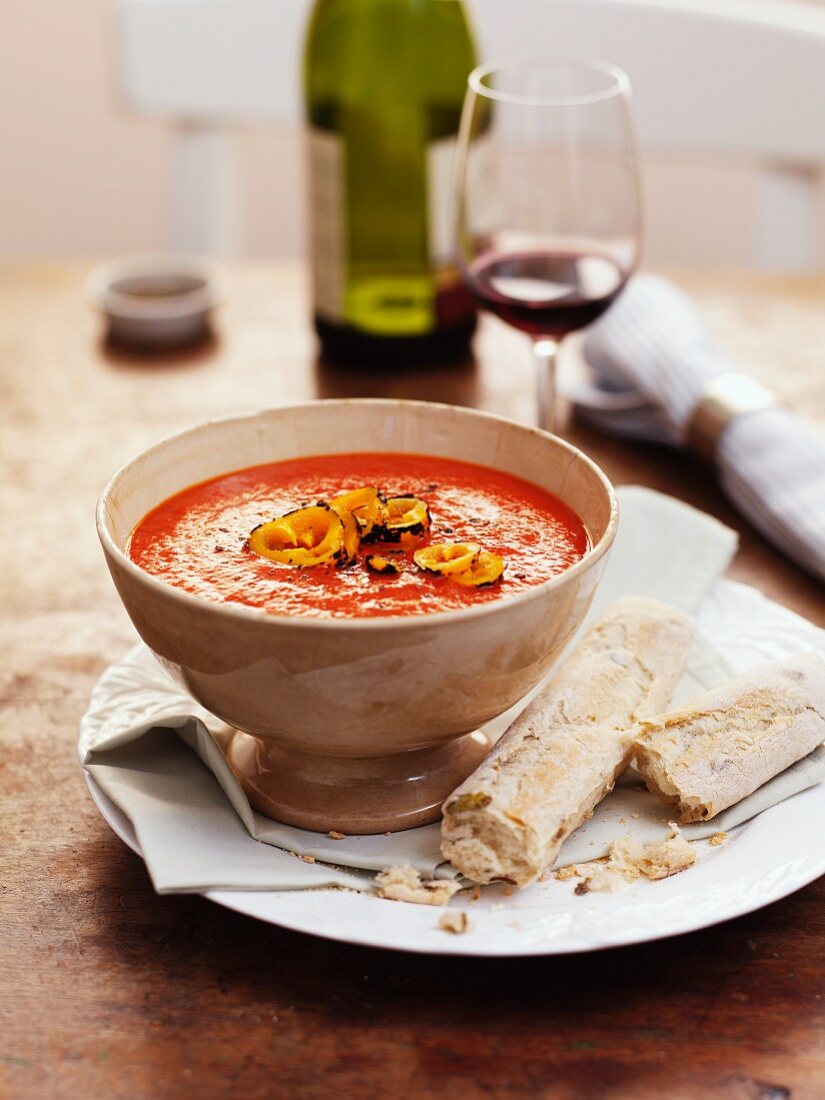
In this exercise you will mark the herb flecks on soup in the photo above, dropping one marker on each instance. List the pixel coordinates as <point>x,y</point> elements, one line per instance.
<point>398,562</point>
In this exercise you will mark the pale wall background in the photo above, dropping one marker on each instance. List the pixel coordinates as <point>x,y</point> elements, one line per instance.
<point>80,176</point>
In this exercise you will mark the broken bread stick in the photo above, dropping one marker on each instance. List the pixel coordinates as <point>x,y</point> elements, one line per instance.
<point>562,755</point>
<point>713,753</point>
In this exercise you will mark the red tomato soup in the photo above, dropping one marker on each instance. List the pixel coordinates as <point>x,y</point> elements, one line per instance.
<point>198,539</point>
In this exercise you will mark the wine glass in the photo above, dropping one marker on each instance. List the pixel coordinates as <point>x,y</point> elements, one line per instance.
<point>548,210</point>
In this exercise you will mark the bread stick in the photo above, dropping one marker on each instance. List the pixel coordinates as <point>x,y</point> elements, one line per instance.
<point>562,755</point>
<point>711,754</point>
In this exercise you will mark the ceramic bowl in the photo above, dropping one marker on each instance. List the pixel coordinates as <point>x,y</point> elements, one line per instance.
<point>359,725</point>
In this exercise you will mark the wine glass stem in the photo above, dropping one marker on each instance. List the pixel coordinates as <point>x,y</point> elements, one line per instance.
<point>545,350</point>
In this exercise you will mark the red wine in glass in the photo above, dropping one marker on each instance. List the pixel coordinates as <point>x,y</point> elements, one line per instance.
<point>547,223</point>
<point>545,293</point>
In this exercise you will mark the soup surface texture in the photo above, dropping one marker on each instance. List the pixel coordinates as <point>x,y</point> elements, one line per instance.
<point>197,540</point>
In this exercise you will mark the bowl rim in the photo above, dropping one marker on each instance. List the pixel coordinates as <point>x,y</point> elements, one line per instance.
<point>100,291</point>
<point>383,622</point>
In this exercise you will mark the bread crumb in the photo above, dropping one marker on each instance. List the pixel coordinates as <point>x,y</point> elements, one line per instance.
<point>333,834</point>
<point>507,891</point>
<point>630,860</point>
<point>455,921</point>
<point>387,834</point>
<point>636,816</point>
<point>476,894</point>
<point>622,821</point>
<point>405,884</point>
<point>718,838</point>
<point>308,859</point>
<point>564,874</point>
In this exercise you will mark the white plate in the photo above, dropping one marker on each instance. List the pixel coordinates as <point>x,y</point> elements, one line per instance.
<point>767,859</point>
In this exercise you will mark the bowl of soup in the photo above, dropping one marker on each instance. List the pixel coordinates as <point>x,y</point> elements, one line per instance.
<point>356,586</point>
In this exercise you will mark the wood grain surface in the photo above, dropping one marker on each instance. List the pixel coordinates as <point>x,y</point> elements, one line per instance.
<point>107,990</point>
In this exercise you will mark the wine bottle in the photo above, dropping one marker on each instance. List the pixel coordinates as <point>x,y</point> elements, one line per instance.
<point>384,87</point>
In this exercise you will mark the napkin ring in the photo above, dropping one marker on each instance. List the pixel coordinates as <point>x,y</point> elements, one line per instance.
<point>727,396</point>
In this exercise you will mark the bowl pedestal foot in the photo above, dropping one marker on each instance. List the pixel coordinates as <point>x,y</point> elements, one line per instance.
<point>354,796</point>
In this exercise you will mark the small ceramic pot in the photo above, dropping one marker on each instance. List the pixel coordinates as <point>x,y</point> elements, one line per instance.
<point>361,725</point>
<point>157,300</point>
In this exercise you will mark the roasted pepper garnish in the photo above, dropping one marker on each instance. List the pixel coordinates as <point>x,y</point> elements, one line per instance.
<point>333,533</point>
<point>352,534</point>
<point>307,536</point>
<point>365,504</point>
<point>447,557</point>
<point>485,570</point>
<point>407,521</point>
<point>463,562</point>
<point>377,564</point>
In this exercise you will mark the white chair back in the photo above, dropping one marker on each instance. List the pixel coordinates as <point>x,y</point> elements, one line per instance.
<point>740,82</point>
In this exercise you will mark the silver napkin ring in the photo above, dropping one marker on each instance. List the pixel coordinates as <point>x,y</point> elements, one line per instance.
<point>726,397</point>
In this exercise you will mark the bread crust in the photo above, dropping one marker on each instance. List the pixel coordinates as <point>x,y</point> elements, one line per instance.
<point>715,752</point>
<point>563,754</point>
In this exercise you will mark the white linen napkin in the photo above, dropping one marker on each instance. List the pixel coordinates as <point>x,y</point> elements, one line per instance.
<point>195,827</point>
<point>651,360</point>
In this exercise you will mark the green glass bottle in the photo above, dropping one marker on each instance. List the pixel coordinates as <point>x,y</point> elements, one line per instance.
<point>384,86</point>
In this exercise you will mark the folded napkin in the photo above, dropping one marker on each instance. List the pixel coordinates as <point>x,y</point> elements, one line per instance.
<point>651,361</point>
<point>156,756</point>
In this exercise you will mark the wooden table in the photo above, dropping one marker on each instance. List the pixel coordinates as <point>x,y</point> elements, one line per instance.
<point>107,990</point>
